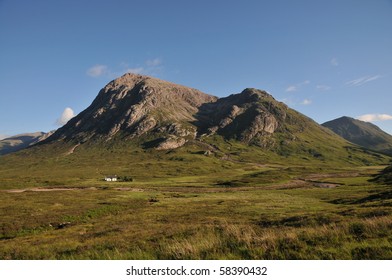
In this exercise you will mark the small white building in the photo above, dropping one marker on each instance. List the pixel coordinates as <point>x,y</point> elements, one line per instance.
<point>111,178</point>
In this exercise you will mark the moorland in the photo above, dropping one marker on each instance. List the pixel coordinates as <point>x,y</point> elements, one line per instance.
<point>185,204</point>
<point>199,177</point>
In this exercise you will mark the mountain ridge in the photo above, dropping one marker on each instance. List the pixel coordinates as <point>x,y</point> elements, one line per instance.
<point>21,141</point>
<point>137,106</point>
<point>155,131</point>
<point>142,113</point>
<point>362,133</point>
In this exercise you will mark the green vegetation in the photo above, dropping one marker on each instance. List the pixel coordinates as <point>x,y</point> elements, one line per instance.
<point>250,178</point>
<point>362,133</point>
<point>302,222</point>
<point>385,176</point>
<point>235,202</point>
<point>213,161</point>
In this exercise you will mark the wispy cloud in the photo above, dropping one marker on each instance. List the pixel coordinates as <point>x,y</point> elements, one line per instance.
<point>97,70</point>
<point>323,87</point>
<point>149,67</point>
<point>375,117</point>
<point>363,80</point>
<point>154,62</point>
<point>334,61</point>
<point>67,114</point>
<point>306,102</point>
<point>296,87</point>
<point>137,70</point>
<point>306,82</point>
<point>291,88</point>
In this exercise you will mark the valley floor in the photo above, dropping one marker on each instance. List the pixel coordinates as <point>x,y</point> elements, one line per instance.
<point>339,215</point>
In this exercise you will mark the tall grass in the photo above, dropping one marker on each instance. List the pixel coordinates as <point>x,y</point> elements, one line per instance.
<point>368,239</point>
<point>180,205</point>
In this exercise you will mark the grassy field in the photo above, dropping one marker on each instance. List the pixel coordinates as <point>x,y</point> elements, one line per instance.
<point>237,203</point>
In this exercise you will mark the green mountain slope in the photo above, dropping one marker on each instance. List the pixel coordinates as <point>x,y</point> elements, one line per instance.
<point>362,133</point>
<point>385,176</point>
<point>160,133</point>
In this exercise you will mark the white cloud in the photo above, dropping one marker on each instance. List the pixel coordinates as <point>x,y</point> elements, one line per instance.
<point>67,114</point>
<point>3,136</point>
<point>306,102</point>
<point>363,80</point>
<point>138,70</point>
<point>97,71</point>
<point>323,87</point>
<point>334,61</point>
<point>149,67</point>
<point>296,87</point>
<point>154,62</point>
<point>375,117</point>
<point>291,89</point>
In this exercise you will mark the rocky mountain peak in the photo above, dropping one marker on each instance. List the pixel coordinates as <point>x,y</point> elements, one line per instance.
<point>245,116</point>
<point>134,105</point>
<point>361,133</point>
<point>256,93</point>
<point>169,115</point>
<point>155,89</point>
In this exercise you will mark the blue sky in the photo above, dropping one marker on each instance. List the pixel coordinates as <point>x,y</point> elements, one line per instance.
<point>325,59</point>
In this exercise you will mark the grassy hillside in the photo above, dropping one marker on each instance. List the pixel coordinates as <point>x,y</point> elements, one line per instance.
<point>234,202</point>
<point>385,176</point>
<point>205,162</point>
<point>362,133</point>
<point>306,196</point>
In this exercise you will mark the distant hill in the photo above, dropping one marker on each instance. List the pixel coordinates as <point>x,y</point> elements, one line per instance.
<point>21,141</point>
<point>362,133</point>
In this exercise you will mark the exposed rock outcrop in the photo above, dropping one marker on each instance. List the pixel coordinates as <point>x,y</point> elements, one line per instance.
<point>134,105</point>
<point>171,143</point>
<point>167,116</point>
<point>244,116</point>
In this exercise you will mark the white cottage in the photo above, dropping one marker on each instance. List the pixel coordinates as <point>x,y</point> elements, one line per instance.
<point>111,178</point>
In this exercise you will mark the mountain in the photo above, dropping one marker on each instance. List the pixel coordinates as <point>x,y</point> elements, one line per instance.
<point>163,115</point>
<point>134,105</point>
<point>362,133</point>
<point>158,132</point>
<point>21,141</point>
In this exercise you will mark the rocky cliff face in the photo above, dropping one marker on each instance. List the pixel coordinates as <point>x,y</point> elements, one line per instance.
<point>252,113</point>
<point>167,115</point>
<point>136,105</point>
